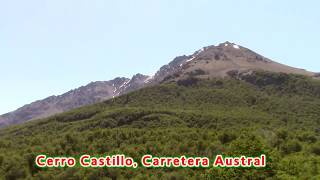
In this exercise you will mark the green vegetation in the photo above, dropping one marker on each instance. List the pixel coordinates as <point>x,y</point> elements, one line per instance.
<point>274,114</point>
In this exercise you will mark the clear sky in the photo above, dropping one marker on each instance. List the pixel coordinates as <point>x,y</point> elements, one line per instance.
<point>48,47</point>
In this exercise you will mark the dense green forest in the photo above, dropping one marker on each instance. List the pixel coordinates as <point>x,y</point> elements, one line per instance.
<point>270,113</point>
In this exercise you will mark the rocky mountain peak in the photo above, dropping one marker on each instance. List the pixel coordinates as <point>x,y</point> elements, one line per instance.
<point>217,61</point>
<point>228,44</point>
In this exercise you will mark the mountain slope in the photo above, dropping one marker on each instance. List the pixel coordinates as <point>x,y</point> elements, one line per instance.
<point>89,94</point>
<point>226,59</point>
<point>272,113</point>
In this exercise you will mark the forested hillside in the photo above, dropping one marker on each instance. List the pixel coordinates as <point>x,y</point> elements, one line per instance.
<point>271,113</point>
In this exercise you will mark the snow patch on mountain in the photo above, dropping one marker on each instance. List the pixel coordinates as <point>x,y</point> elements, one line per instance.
<point>149,79</point>
<point>236,46</point>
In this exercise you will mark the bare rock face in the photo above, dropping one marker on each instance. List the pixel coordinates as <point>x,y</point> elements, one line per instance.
<point>171,68</point>
<point>224,60</point>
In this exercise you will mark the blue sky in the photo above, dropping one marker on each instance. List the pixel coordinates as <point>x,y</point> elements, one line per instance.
<point>48,47</point>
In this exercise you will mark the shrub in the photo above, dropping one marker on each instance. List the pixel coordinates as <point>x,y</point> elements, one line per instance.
<point>225,138</point>
<point>315,149</point>
<point>291,147</point>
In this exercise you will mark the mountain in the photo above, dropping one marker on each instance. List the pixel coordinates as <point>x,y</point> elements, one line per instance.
<point>222,100</point>
<point>92,93</point>
<point>275,114</point>
<point>224,60</point>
